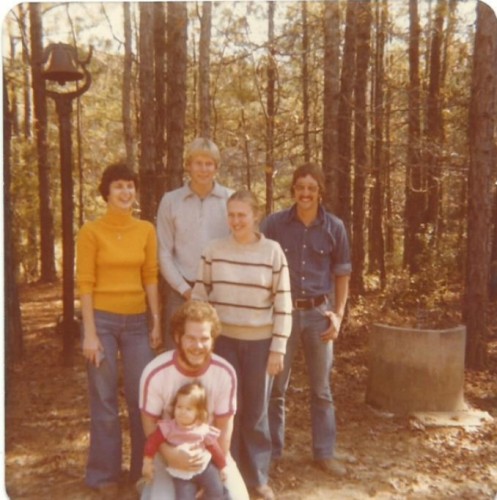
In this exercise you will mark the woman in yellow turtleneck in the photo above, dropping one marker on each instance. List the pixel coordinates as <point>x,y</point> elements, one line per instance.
<point>117,274</point>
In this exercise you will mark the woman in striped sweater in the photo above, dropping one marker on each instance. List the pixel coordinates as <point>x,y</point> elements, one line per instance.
<point>245,277</point>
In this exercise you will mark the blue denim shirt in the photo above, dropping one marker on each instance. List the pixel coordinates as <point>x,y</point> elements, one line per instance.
<point>315,253</point>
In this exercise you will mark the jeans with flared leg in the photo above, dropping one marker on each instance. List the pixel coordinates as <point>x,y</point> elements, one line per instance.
<point>307,325</point>
<point>251,440</point>
<point>127,335</point>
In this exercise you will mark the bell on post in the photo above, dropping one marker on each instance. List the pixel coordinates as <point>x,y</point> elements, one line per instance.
<point>61,64</point>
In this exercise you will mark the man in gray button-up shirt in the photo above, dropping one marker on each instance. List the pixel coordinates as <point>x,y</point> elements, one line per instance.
<point>188,218</point>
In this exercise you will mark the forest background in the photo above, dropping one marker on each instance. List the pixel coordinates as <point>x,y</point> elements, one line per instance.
<point>396,101</point>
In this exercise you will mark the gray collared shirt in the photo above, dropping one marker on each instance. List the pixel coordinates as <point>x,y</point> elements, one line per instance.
<point>185,224</point>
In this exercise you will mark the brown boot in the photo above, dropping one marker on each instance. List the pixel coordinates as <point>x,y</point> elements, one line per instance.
<point>331,466</point>
<point>265,492</point>
<point>346,457</point>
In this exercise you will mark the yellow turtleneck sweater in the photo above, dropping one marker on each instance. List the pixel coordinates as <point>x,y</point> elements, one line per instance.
<point>116,258</point>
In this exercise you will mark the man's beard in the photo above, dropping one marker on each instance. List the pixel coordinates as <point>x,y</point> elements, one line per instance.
<point>186,361</point>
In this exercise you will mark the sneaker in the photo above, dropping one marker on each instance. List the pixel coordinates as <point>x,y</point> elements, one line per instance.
<point>109,491</point>
<point>140,485</point>
<point>331,466</point>
<point>265,492</point>
<point>129,493</point>
<point>344,456</point>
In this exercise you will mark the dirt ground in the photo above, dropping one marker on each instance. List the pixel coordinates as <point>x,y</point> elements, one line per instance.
<point>47,421</point>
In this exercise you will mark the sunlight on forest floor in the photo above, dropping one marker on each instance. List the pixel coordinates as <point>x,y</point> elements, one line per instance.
<point>47,424</point>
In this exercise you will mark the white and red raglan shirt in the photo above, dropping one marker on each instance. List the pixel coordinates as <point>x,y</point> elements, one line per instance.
<point>163,376</point>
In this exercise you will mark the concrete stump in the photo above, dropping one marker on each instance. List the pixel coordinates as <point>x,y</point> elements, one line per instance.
<point>414,369</point>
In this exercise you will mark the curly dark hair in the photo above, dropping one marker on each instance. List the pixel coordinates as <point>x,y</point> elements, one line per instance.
<point>116,172</point>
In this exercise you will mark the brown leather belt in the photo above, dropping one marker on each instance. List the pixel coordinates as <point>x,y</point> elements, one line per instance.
<point>304,304</point>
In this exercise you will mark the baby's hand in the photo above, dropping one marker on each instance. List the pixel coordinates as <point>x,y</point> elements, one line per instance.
<point>223,474</point>
<point>187,456</point>
<point>148,469</point>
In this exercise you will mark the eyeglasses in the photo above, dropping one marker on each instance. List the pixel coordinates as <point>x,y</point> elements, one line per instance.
<point>302,187</point>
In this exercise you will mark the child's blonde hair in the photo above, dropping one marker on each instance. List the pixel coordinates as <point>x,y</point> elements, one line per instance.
<point>196,392</point>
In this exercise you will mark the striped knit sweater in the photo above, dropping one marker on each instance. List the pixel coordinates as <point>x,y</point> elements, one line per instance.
<point>249,285</point>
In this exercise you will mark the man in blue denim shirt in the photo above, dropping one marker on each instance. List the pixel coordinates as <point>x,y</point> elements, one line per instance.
<point>316,246</point>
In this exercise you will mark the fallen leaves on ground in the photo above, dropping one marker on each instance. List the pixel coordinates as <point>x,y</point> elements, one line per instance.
<point>47,422</point>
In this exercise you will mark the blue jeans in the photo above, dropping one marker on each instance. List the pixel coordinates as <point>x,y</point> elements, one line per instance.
<point>209,479</point>
<point>251,440</point>
<point>162,487</point>
<point>173,301</point>
<point>127,334</point>
<point>306,328</point>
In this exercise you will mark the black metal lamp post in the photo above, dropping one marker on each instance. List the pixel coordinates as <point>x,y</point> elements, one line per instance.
<point>62,67</point>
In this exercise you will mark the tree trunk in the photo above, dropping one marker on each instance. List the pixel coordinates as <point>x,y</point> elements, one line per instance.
<point>148,203</point>
<point>270,109</point>
<point>305,83</point>
<point>14,108</point>
<point>47,252</point>
<point>330,101</point>
<point>246,151</point>
<point>376,235</point>
<point>177,24</point>
<point>204,100</point>
<point>360,142</point>
<point>482,155</point>
<point>80,163</point>
<point>389,182</point>
<point>434,127</point>
<point>493,255</point>
<point>449,38</point>
<point>12,319</point>
<point>344,207</point>
<point>25,66</point>
<point>415,198</point>
<point>160,96</point>
<point>129,135</point>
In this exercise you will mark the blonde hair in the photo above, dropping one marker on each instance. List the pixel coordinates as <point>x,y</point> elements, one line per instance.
<point>202,146</point>
<point>247,197</point>
<point>195,391</point>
